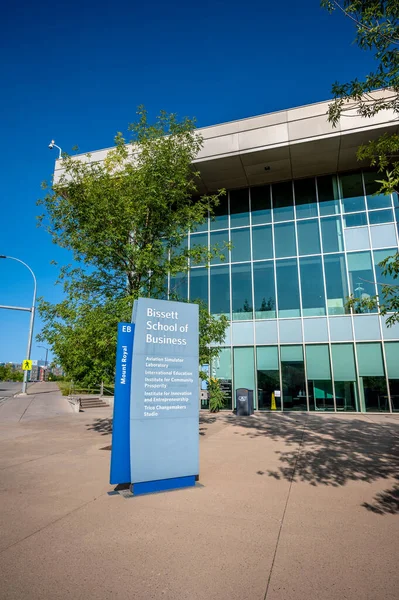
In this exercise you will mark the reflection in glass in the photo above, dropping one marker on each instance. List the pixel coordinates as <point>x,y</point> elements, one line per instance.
<point>220,219</point>
<point>199,241</point>
<point>244,370</point>
<point>321,397</point>
<point>240,245</point>
<point>268,378</point>
<point>372,187</point>
<point>373,386</point>
<point>312,287</point>
<point>308,237</point>
<point>293,378</point>
<point>199,284</point>
<point>355,220</point>
<point>265,296</point>
<point>220,291</point>
<point>219,239</point>
<point>178,289</point>
<point>381,280</point>
<point>283,202</point>
<point>239,207</point>
<point>284,240</point>
<point>262,242</point>
<point>261,207</point>
<point>287,288</point>
<point>221,370</point>
<point>336,284</point>
<point>381,216</point>
<point>305,198</point>
<point>352,192</point>
<point>328,192</point>
<point>343,361</point>
<point>331,233</point>
<point>361,279</point>
<point>241,292</point>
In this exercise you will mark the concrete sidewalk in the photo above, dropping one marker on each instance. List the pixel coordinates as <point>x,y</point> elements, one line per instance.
<point>293,507</point>
<point>42,401</point>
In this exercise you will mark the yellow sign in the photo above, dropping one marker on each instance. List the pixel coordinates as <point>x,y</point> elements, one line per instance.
<point>273,404</point>
<point>27,365</point>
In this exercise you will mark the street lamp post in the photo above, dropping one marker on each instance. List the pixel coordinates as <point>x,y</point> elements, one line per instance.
<point>32,316</point>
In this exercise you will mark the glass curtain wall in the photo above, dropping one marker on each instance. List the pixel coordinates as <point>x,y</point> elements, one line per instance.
<point>268,378</point>
<point>293,378</point>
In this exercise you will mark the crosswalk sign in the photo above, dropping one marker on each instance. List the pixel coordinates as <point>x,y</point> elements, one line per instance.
<point>27,365</point>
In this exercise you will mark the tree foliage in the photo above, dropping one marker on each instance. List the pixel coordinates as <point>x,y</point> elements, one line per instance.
<point>377,30</point>
<point>7,373</point>
<point>124,220</point>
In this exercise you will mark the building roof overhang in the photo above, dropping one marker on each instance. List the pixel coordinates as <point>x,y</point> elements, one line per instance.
<point>288,144</point>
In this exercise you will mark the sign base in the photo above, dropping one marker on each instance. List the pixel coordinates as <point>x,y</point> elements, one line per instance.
<point>162,485</point>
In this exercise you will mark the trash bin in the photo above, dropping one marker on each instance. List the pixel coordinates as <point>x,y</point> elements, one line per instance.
<point>244,402</point>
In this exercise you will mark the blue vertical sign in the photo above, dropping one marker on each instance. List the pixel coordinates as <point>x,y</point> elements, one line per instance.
<point>164,399</point>
<point>120,453</point>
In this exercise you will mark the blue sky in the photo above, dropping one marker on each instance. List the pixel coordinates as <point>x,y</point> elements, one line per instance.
<point>76,73</point>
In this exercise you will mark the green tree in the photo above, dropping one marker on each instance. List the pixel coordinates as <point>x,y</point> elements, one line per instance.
<point>125,221</point>
<point>377,30</point>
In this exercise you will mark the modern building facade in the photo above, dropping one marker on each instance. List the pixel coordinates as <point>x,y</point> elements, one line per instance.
<point>306,230</point>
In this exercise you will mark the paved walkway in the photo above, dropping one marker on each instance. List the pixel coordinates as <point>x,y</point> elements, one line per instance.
<point>293,507</point>
<point>43,400</point>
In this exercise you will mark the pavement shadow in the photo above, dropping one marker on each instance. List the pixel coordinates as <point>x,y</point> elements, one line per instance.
<point>103,426</point>
<point>333,451</point>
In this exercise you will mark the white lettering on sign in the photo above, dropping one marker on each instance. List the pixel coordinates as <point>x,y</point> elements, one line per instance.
<point>127,328</point>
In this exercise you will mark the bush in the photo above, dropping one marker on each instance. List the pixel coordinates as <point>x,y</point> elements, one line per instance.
<point>216,396</point>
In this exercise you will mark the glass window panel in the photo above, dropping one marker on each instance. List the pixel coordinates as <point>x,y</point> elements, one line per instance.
<point>394,389</point>
<point>318,361</point>
<point>395,199</point>
<point>199,284</point>
<point>288,288</point>
<point>321,396</point>
<point>355,220</point>
<point>372,187</point>
<point>373,387</point>
<point>283,202</point>
<point>361,278</point>
<point>219,239</point>
<point>352,192</point>
<point>239,208</point>
<point>268,377</point>
<point>179,287</point>
<point>241,292</point>
<point>379,256</point>
<point>312,287</point>
<point>369,359</point>
<point>308,237</point>
<point>240,245</point>
<point>221,370</point>
<point>262,242</point>
<point>331,233</point>
<point>202,226</point>
<point>244,370</point>
<point>293,378</point>
<point>336,284</point>
<point>180,248</point>
<point>220,291</point>
<point>392,359</point>
<point>284,240</point>
<point>220,219</point>
<point>381,216</point>
<point>261,207</point>
<point>343,361</point>
<point>198,240</point>
<point>265,296</point>
<point>328,192</point>
<point>305,198</point>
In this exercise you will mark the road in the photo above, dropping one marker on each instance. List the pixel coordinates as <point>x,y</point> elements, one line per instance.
<point>9,388</point>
